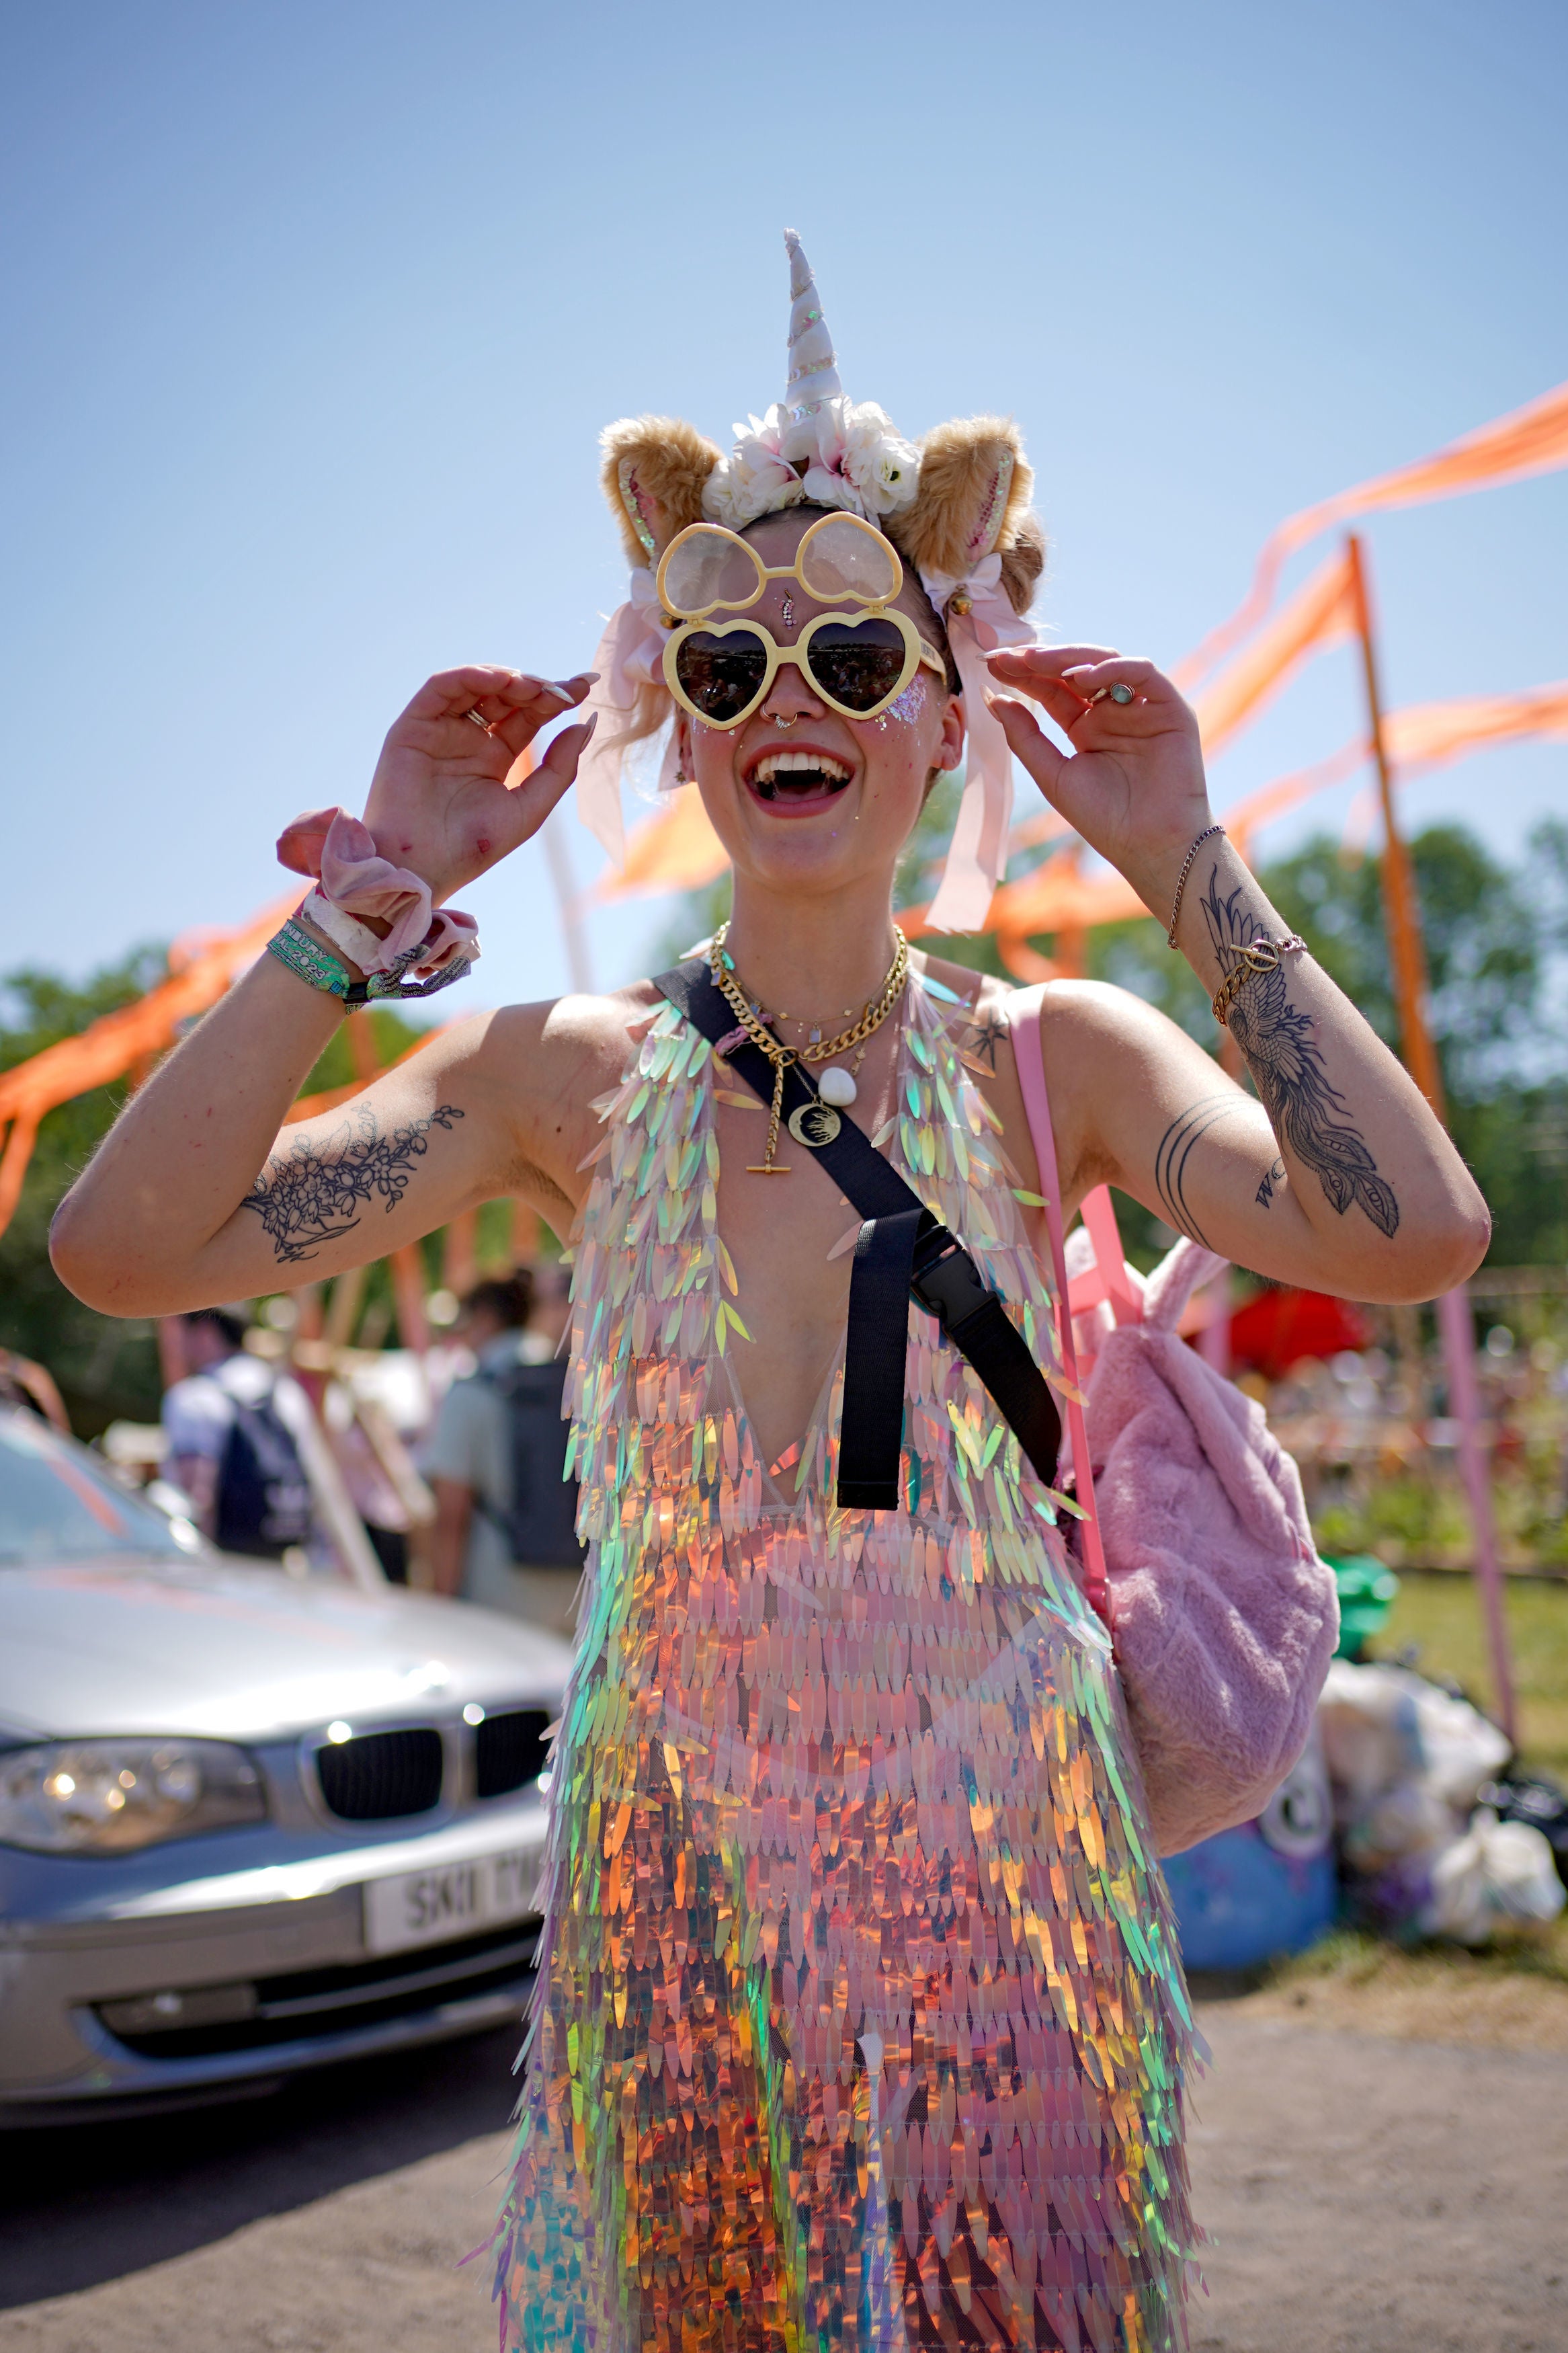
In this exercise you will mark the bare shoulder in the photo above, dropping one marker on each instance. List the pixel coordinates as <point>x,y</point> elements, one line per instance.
<point>1095,1040</point>
<point>539,1069</point>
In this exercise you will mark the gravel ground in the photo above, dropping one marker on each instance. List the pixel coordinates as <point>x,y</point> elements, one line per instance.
<point>1365,2190</point>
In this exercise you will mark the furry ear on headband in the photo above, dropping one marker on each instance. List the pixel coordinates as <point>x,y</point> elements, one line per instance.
<point>654,472</point>
<point>973,502</point>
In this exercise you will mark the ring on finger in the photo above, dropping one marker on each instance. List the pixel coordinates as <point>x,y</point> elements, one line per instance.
<point>477,715</point>
<point>1120,693</point>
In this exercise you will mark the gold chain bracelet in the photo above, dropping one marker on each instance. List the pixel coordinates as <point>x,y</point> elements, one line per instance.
<point>1261,954</point>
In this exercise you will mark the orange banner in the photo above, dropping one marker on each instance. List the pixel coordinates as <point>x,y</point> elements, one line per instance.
<point>116,1043</point>
<point>1321,614</point>
<point>1529,440</point>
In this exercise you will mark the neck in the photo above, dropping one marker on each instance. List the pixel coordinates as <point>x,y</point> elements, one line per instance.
<point>814,957</point>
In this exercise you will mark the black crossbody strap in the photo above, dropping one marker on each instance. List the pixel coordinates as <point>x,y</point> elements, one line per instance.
<point>902,1249</point>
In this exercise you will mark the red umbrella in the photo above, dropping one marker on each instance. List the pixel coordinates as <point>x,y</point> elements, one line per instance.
<point>1277,1329</point>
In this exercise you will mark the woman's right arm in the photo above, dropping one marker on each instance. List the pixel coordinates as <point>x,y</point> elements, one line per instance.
<point>201,1193</point>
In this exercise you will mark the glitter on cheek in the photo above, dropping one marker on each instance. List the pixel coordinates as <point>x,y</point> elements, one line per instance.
<point>910,704</point>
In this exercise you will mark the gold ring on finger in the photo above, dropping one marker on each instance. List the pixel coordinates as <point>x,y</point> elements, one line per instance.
<point>1120,693</point>
<point>477,715</point>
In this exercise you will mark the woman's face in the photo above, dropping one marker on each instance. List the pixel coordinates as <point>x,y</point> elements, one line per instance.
<point>819,801</point>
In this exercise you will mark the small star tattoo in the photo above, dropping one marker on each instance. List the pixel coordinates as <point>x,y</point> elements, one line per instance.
<point>982,1040</point>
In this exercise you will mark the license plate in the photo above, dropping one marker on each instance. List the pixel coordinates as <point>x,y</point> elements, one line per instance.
<point>449,1901</point>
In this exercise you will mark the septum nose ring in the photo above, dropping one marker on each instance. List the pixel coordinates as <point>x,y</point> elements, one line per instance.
<point>792,720</point>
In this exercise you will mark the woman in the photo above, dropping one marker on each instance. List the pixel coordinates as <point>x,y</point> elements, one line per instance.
<point>859,2015</point>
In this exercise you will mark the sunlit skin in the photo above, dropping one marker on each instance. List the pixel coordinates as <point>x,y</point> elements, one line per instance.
<point>154,1224</point>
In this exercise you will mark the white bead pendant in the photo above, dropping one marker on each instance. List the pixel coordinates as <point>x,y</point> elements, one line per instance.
<point>838,1088</point>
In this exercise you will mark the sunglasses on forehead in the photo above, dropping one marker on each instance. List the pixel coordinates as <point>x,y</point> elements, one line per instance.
<point>858,661</point>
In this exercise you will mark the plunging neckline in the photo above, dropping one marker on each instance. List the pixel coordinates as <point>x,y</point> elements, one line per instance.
<point>789,1500</point>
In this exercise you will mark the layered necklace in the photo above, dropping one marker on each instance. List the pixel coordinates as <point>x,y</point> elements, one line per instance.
<point>816,1122</point>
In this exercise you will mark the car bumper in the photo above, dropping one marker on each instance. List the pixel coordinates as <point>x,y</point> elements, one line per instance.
<point>192,1990</point>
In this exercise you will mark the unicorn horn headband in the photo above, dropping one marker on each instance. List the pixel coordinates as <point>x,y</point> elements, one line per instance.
<point>956,506</point>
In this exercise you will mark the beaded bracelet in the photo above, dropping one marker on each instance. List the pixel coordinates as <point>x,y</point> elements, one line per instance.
<point>1208,834</point>
<point>1261,954</point>
<point>294,947</point>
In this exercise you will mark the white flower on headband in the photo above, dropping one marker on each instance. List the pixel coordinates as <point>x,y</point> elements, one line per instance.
<point>754,479</point>
<point>862,462</point>
<point>884,468</point>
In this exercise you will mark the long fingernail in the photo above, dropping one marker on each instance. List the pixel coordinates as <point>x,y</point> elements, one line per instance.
<point>589,725</point>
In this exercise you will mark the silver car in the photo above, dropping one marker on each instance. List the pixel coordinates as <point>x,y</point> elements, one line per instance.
<point>247,1824</point>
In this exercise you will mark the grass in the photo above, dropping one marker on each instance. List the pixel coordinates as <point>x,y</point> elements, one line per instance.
<point>1438,1616</point>
<point>1514,1997</point>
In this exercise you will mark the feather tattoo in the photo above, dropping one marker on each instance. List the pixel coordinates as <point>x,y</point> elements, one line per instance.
<point>1308,1115</point>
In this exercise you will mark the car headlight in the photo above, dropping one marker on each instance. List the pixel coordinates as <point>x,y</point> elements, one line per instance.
<point>104,1797</point>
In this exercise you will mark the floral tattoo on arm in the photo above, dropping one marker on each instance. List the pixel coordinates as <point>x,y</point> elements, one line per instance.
<point>312,1194</point>
<point>1307,1113</point>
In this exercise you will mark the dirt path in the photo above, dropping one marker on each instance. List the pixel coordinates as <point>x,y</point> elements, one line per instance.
<point>1365,2194</point>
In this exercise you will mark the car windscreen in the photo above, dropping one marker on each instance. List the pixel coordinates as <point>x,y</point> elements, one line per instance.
<point>56,1504</point>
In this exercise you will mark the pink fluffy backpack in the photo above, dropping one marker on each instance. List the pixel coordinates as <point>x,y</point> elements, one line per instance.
<point>1196,1549</point>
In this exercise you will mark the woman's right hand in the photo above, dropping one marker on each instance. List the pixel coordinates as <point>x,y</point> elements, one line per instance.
<point>439,801</point>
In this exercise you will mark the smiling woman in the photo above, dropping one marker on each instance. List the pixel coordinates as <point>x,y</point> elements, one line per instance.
<point>859,2016</point>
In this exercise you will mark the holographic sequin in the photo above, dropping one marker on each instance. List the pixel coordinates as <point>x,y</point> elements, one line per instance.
<point>859,2020</point>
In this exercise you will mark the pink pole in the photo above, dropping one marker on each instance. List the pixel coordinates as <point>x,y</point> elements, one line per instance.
<point>1475,1469</point>
<point>1213,1340</point>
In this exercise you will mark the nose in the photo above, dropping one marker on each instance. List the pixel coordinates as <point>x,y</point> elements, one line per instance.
<point>791,696</point>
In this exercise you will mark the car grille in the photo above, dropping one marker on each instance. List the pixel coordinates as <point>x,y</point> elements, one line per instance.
<point>510,1751</point>
<point>382,1775</point>
<point>204,2021</point>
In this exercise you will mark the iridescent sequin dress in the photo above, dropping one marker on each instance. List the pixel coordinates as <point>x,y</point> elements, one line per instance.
<point>859,2023</point>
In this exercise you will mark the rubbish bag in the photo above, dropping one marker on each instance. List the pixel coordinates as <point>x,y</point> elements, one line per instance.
<point>1537,1800</point>
<point>1498,1872</point>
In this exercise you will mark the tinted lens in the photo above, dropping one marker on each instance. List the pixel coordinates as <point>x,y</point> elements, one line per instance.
<point>720,676</point>
<point>839,557</point>
<point>859,663</point>
<point>708,567</point>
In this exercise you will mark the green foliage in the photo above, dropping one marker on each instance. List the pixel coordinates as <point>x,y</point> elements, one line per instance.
<point>107,1368</point>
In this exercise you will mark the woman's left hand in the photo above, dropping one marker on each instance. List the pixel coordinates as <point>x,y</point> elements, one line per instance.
<point>1133,783</point>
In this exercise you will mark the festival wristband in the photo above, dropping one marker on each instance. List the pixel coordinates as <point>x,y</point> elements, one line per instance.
<point>315,965</point>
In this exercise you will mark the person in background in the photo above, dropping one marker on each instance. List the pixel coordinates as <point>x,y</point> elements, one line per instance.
<point>234,1428</point>
<point>505,1517</point>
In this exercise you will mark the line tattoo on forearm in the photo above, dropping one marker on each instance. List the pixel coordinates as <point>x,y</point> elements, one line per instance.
<point>312,1194</point>
<point>1307,1113</point>
<point>1175,1149</point>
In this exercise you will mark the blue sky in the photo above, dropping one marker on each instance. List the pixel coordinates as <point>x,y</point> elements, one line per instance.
<point>315,312</point>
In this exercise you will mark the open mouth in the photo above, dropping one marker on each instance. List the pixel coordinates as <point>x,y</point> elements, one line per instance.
<point>796,779</point>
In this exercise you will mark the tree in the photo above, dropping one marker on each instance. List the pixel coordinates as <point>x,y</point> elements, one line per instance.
<point>107,1368</point>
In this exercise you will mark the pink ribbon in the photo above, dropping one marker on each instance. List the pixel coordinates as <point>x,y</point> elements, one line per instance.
<point>340,854</point>
<point>630,656</point>
<point>978,850</point>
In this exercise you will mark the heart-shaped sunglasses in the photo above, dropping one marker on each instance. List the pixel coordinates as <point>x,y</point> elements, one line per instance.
<point>858,661</point>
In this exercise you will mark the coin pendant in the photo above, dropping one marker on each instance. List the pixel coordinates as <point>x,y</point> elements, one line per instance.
<point>815,1125</point>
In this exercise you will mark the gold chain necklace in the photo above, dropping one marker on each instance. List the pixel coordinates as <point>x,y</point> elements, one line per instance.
<point>817,1123</point>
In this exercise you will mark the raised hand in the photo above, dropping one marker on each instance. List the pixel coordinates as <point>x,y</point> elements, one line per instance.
<point>1133,784</point>
<point>441,802</point>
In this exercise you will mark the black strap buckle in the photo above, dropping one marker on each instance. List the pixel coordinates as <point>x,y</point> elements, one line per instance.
<point>948,1284</point>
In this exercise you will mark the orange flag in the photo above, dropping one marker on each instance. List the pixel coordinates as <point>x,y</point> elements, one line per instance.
<point>1529,440</point>
<point>1321,614</point>
<point>676,850</point>
<point>114,1044</point>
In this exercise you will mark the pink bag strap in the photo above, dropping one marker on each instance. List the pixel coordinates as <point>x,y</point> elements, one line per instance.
<point>1029,1056</point>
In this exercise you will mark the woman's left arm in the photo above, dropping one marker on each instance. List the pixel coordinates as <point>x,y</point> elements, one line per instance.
<point>1340,1176</point>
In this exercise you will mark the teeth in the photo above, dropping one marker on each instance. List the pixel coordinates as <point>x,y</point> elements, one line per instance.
<point>783,763</point>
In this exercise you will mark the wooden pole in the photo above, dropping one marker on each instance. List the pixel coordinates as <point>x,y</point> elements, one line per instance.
<point>1408,959</point>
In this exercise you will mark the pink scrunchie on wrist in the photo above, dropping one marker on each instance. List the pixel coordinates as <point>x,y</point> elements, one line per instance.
<point>340,853</point>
